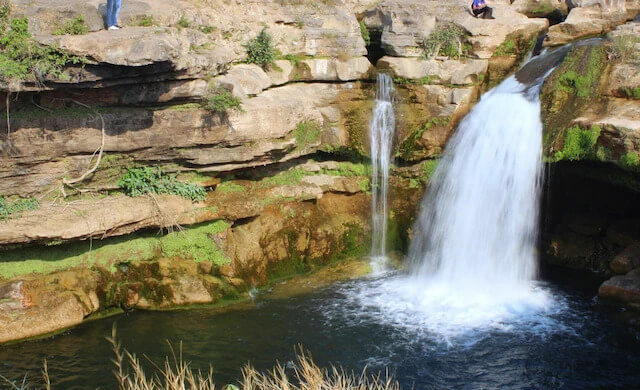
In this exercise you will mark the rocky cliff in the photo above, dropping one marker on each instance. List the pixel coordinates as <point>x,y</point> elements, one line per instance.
<point>163,164</point>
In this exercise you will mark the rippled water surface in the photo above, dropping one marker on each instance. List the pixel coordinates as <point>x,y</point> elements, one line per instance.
<point>563,340</point>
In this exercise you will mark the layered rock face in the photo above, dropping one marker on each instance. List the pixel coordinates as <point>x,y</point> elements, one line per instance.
<point>285,173</point>
<point>592,120</point>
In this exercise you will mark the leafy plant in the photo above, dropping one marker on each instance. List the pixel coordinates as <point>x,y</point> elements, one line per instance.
<point>183,22</point>
<point>630,160</point>
<point>145,180</point>
<point>579,143</point>
<point>21,58</point>
<point>146,21</point>
<point>364,31</point>
<point>17,207</point>
<point>73,27</point>
<point>220,100</point>
<point>446,40</point>
<point>206,29</point>
<point>260,50</point>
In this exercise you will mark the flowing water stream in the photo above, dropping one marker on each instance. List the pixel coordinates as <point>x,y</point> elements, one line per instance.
<point>381,132</point>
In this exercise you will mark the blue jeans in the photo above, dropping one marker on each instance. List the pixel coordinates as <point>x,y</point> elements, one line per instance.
<point>113,8</point>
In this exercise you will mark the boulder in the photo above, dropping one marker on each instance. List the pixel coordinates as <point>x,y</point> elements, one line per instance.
<point>584,21</point>
<point>457,72</point>
<point>622,289</point>
<point>627,260</point>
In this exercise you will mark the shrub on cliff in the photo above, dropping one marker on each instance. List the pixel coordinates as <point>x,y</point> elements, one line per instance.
<point>73,27</point>
<point>22,58</point>
<point>445,40</point>
<point>260,50</point>
<point>220,100</point>
<point>148,180</point>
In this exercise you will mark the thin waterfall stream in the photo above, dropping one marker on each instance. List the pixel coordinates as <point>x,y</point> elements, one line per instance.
<point>381,132</point>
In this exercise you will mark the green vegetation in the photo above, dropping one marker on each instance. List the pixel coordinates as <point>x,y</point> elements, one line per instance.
<point>146,21</point>
<point>220,100</point>
<point>428,169</point>
<point>542,9</point>
<point>408,145</point>
<point>73,27</point>
<point>17,207</point>
<point>352,241</point>
<point>229,186</point>
<point>307,133</point>
<point>148,180</point>
<point>192,243</point>
<point>285,178</point>
<point>579,144</point>
<point>183,22</point>
<point>364,31</point>
<point>630,92</point>
<point>295,59</point>
<point>629,161</point>
<point>260,50</point>
<point>445,40</point>
<point>293,176</point>
<point>583,84</point>
<point>22,58</point>
<point>430,79</point>
<point>506,48</point>
<point>206,29</point>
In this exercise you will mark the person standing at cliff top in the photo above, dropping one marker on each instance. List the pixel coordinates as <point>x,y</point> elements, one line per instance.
<point>481,9</point>
<point>113,9</point>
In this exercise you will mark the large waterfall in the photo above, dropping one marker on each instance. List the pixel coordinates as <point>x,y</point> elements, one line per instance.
<point>472,260</point>
<point>381,135</point>
<point>478,222</point>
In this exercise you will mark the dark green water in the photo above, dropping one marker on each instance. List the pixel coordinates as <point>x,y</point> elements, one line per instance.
<point>573,344</point>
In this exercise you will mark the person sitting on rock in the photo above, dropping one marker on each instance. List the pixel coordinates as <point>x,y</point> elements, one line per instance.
<point>481,9</point>
<point>113,9</point>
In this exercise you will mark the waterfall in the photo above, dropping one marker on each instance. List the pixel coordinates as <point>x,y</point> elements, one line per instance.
<point>478,222</point>
<point>381,135</point>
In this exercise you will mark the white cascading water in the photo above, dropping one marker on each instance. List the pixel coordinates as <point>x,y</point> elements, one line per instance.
<point>381,135</point>
<point>478,223</point>
<point>472,260</point>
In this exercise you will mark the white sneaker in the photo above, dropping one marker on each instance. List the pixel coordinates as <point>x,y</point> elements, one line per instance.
<point>111,28</point>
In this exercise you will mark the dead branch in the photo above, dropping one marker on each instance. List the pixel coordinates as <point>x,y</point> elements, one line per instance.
<point>67,182</point>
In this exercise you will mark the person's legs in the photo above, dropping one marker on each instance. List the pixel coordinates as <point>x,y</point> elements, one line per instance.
<point>118,4</point>
<point>486,13</point>
<point>110,13</point>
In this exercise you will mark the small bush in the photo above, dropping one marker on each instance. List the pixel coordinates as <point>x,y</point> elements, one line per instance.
<point>17,207</point>
<point>183,22</point>
<point>306,133</point>
<point>631,92</point>
<point>220,101</point>
<point>629,161</point>
<point>446,40</point>
<point>145,180</point>
<point>206,29</point>
<point>22,58</point>
<point>364,31</point>
<point>146,21</point>
<point>260,50</point>
<point>73,27</point>
<point>579,143</point>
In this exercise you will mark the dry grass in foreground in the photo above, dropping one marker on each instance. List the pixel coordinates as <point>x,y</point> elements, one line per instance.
<point>176,374</point>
